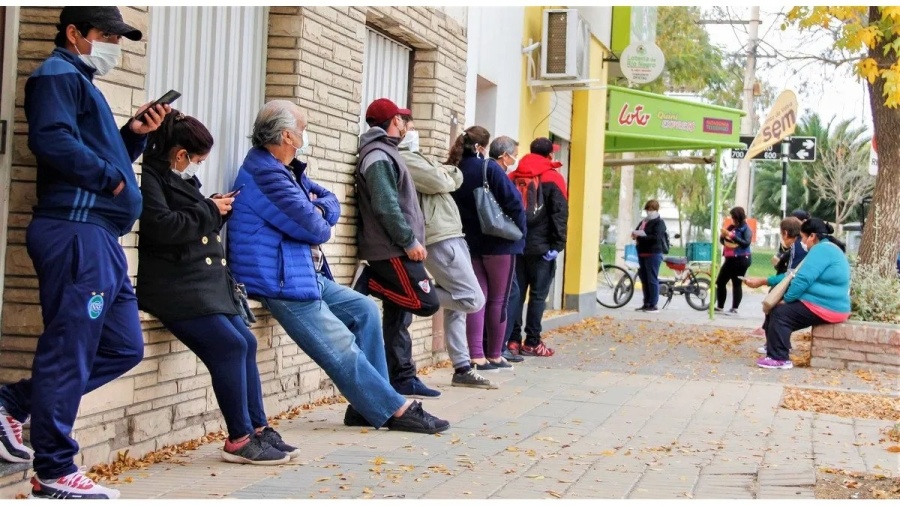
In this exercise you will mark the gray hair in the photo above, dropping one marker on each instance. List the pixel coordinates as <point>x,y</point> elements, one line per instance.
<point>502,145</point>
<point>275,117</point>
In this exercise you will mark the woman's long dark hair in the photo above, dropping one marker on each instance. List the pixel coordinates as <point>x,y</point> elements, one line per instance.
<point>822,230</point>
<point>178,129</point>
<point>739,216</point>
<point>465,144</point>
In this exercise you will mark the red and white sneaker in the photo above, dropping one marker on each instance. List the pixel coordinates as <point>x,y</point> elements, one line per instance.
<point>12,449</point>
<point>72,486</point>
<point>541,350</point>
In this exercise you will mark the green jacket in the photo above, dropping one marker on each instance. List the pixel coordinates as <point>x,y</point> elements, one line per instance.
<point>434,182</point>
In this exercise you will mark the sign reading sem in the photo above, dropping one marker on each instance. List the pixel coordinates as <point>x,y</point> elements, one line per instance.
<point>780,123</point>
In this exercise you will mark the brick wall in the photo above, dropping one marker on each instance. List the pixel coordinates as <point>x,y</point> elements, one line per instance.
<point>857,345</point>
<point>315,58</point>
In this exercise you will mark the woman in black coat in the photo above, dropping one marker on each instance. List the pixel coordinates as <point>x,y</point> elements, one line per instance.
<point>184,281</point>
<point>650,239</point>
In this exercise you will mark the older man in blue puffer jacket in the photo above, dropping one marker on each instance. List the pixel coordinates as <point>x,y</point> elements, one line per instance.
<point>280,220</point>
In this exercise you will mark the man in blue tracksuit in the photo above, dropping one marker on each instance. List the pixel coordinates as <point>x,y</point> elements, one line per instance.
<point>88,196</point>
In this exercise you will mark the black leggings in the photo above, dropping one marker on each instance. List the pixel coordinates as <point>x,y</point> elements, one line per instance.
<point>731,269</point>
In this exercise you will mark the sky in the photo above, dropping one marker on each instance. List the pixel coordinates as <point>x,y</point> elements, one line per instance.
<point>819,87</point>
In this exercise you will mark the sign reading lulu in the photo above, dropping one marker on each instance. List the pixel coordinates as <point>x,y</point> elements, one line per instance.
<point>780,123</point>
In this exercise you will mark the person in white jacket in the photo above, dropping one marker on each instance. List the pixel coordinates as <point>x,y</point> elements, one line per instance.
<point>448,259</point>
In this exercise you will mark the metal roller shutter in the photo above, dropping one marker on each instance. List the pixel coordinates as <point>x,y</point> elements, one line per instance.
<point>215,56</point>
<point>385,72</point>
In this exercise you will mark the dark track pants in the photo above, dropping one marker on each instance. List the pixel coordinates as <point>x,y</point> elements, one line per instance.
<point>92,334</point>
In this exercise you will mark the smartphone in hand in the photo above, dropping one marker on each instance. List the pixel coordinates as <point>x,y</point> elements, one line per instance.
<point>166,99</point>
<point>235,192</point>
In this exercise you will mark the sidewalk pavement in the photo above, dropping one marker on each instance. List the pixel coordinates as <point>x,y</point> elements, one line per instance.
<point>626,409</point>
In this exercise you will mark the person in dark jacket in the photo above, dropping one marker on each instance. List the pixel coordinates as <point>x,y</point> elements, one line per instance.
<point>649,237</point>
<point>736,239</point>
<point>275,237</point>
<point>183,280</point>
<point>547,214</point>
<point>493,258</point>
<point>790,241</point>
<point>391,238</point>
<point>87,197</point>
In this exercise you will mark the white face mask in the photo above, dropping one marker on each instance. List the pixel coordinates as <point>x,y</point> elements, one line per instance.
<point>304,149</point>
<point>804,246</point>
<point>189,171</point>
<point>410,141</point>
<point>510,168</point>
<point>104,57</point>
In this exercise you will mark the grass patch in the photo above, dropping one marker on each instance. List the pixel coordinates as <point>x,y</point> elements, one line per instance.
<point>761,265</point>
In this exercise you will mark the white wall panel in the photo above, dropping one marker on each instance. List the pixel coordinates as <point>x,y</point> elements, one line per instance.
<point>561,114</point>
<point>385,73</point>
<point>215,56</point>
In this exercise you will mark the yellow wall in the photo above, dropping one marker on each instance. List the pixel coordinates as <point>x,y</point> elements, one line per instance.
<point>586,183</point>
<point>586,162</point>
<point>534,114</point>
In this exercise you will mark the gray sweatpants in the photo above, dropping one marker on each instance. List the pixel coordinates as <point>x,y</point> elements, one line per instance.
<point>457,288</point>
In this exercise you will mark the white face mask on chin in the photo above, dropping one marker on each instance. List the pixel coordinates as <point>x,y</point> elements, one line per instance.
<point>103,58</point>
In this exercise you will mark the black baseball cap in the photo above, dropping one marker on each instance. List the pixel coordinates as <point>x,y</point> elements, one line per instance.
<point>108,19</point>
<point>800,214</point>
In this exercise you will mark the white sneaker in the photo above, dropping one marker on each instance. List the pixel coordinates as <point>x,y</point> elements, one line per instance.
<point>72,486</point>
<point>762,350</point>
<point>12,449</point>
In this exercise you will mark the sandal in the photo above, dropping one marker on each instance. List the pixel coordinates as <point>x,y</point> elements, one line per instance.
<point>537,351</point>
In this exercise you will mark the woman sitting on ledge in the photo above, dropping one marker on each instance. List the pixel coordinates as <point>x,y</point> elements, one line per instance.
<point>183,280</point>
<point>819,293</point>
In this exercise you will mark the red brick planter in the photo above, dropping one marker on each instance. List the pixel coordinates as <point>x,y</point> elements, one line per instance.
<point>857,345</point>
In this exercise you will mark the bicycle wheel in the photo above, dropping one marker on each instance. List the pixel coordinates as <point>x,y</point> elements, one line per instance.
<point>614,286</point>
<point>697,294</point>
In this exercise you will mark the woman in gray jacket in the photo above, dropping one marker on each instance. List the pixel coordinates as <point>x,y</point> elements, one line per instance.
<point>448,259</point>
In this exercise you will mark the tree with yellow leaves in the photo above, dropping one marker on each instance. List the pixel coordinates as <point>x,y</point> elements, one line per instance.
<point>872,34</point>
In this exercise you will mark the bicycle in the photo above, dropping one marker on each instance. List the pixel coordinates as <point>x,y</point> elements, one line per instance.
<point>615,285</point>
<point>686,282</point>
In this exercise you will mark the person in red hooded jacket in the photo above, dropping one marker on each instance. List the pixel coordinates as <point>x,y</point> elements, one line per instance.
<point>546,201</point>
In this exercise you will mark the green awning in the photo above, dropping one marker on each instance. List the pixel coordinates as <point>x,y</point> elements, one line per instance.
<point>641,121</point>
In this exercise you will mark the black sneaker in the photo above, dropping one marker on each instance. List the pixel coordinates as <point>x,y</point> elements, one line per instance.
<point>652,309</point>
<point>501,365</point>
<point>271,436</point>
<point>486,367</point>
<point>510,357</point>
<point>472,379</point>
<point>415,388</point>
<point>416,419</point>
<point>255,451</point>
<point>352,418</point>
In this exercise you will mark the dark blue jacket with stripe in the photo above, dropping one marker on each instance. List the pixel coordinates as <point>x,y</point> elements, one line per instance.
<point>82,155</point>
<point>274,225</point>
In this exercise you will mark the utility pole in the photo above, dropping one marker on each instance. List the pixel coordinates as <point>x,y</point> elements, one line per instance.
<point>742,190</point>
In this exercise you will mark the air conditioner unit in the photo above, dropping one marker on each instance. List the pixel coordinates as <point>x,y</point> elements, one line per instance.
<point>565,45</point>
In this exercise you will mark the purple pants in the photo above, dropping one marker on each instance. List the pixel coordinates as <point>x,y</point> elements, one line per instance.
<point>494,273</point>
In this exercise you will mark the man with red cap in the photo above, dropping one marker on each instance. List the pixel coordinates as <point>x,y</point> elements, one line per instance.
<point>87,197</point>
<point>391,237</point>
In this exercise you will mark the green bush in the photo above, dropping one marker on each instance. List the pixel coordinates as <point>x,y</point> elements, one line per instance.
<point>873,297</point>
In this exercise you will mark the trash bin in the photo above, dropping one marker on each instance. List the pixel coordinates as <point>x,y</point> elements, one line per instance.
<point>699,252</point>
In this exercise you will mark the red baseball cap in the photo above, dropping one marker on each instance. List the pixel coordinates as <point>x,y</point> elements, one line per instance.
<point>382,110</point>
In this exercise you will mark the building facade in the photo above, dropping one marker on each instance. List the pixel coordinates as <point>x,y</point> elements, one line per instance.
<point>501,96</point>
<point>227,61</point>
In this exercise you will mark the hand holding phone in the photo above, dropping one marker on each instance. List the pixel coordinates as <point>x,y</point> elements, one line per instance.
<point>234,192</point>
<point>166,99</point>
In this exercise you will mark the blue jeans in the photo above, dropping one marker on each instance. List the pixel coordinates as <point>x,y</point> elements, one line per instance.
<point>649,275</point>
<point>228,349</point>
<point>342,333</point>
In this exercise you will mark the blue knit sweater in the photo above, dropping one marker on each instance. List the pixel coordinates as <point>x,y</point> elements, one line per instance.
<point>823,279</point>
